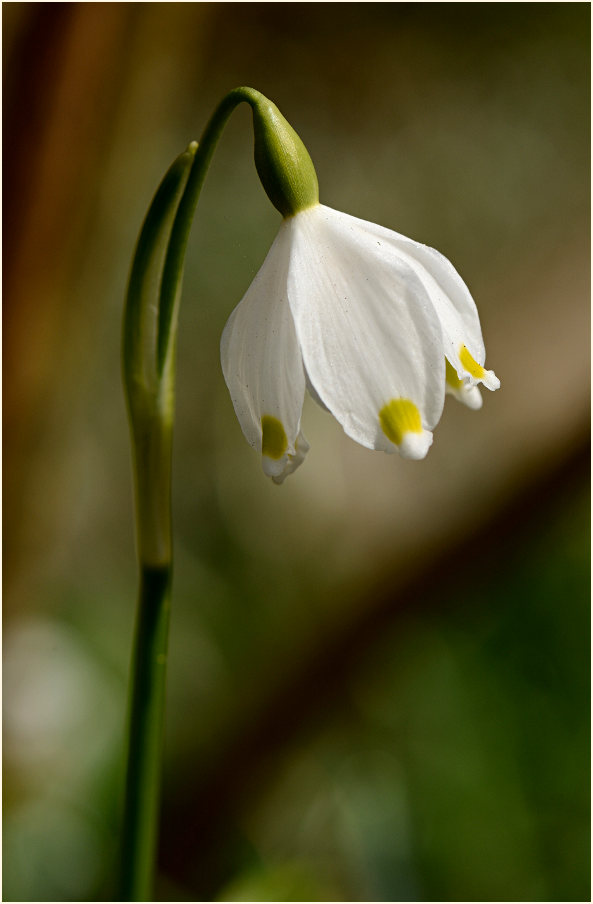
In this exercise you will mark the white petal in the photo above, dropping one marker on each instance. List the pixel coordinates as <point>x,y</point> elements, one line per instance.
<point>367,329</point>
<point>466,394</point>
<point>462,390</point>
<point>313,393</point>
<point>290,464</point>
<point>415,445</point>
<point>262,364</point>
<point>451,297</point>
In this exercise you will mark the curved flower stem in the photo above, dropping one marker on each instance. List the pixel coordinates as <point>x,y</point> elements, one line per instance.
<point>173,269</point>
<point>150,328</point>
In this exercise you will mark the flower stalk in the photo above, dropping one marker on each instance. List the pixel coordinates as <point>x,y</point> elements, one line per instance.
<point>149,343</point>
<point>147,698</point>
<point>149,387</point>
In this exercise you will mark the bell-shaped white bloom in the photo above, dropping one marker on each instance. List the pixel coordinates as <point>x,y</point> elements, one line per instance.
<point>374,325</point>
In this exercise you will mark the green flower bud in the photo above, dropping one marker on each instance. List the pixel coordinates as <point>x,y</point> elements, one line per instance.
<point>282,160</point>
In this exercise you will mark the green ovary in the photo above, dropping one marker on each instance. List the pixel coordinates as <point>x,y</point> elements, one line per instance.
<point>398,417</point>
<point>274,442</point>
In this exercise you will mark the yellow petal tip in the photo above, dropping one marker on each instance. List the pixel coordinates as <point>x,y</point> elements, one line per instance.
<point>274,442</point>
<point>398,417</point>
<point>470,364</point>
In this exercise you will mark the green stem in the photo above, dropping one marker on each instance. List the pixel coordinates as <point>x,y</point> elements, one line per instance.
<point>150,327</point>
<point>146,723</point>
<point>173,269</point>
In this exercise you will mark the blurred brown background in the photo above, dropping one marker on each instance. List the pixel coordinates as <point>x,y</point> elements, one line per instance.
<point>378,684</point>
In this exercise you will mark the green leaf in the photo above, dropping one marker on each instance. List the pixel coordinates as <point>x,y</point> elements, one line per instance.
<point>150,295</point>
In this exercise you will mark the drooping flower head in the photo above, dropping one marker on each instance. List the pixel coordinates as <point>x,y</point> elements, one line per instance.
<point>374,325</point>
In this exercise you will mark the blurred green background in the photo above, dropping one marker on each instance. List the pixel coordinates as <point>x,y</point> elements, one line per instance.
<point>379,672</point>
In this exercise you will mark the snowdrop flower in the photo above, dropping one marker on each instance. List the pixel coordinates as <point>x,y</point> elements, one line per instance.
<point>374,325</point>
